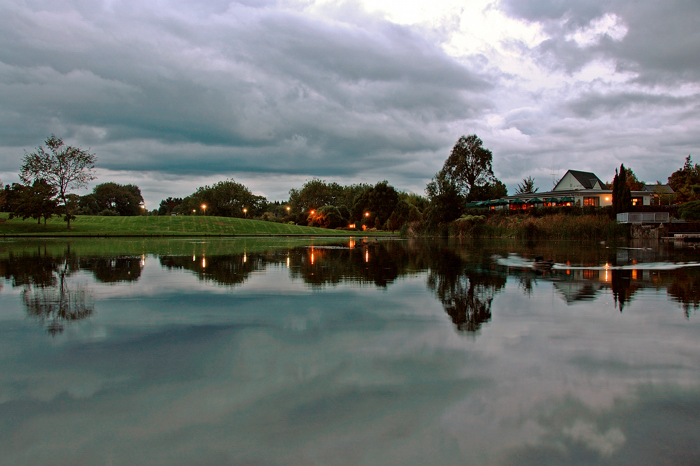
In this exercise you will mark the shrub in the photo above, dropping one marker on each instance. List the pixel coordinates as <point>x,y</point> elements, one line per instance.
<point>690,210</point>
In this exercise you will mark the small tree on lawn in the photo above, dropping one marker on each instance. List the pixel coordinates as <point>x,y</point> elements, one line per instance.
<point>63,167</point>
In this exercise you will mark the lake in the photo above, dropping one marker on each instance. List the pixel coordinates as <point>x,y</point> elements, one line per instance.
<point>347,351</point>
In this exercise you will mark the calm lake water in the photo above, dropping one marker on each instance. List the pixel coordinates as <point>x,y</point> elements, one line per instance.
<point>347,351</point>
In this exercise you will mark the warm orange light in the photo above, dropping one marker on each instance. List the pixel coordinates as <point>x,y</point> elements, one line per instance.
<point>204,207</point>
<point>607,198</point>
<point>634,274</point>
<point>366,214</point>
<point>288,208</point>
<point>366,256</point>
<point>352,244</point>
<point>313,212</point>
<point>312,258</point>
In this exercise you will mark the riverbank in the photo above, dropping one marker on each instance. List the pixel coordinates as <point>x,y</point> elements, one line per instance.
<point>163,226</point>
<point>554,226</point>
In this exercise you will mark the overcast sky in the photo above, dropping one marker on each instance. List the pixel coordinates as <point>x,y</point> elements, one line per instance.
<point>172,95</point>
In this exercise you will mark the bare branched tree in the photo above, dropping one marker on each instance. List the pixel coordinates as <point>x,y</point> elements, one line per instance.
<point>63,167</point>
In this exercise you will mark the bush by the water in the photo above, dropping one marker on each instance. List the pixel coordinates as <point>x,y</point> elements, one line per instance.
<point>690,210</point>
<point>555,226</point>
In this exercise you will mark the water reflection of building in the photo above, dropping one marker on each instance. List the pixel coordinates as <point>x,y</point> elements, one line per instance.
<point>585,284</point>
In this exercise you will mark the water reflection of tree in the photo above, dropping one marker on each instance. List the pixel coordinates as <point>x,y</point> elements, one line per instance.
<point>113,269</point>
<point>377,263</point>
<point>47,293</point>
<point>466,291</point>
<point>623,287</point>
<point>55,306</point>
<point>685,289</point>
<point>225,270</point>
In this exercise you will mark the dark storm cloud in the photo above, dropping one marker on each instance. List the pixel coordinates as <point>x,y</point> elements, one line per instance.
<point>246,89</point>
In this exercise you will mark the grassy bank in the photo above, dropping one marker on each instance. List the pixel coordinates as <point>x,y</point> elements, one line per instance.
<point>556,226</point>
<point>86,225</point>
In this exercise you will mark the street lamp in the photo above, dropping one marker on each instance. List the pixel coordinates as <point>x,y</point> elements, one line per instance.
<point>204,209</point>
<point>245,212</point>
<point>366,214</point>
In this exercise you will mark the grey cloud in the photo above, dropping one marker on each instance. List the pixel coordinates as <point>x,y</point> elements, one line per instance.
<point>661,44</point>
<point>625,103</point>
<point>240,83</point>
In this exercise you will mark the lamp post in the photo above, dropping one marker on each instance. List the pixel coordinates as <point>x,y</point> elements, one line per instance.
<point>245,212</point>
<point>204,209</point>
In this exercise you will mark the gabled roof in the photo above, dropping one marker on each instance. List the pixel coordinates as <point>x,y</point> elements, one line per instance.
<point>587,179</point>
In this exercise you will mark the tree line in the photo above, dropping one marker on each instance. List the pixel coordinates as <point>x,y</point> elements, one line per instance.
<point>50,174</point>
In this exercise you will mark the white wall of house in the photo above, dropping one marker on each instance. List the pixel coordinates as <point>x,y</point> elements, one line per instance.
<point>568,182</point>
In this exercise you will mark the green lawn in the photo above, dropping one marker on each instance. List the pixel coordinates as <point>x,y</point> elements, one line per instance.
<point>88,225</point>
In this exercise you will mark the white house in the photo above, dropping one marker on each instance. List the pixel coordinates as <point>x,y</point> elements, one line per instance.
<point>576,188</point>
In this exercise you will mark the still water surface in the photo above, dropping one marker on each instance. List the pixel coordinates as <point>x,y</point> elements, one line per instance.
<point>352,351</point>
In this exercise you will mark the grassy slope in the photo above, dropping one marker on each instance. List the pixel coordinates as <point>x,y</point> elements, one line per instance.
<point>86,225</point>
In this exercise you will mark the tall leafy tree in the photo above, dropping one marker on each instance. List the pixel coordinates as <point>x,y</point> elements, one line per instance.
<point>226,199</point>
<point>126,200</point>
<point>622,197</point>
<point>446,201</point>
<point>469,167</point>
<point>379,202</point>
<point>632,181</point>
<point>36,201</point>
<point>65,168</point>
<point>685,182</point>
<point>167,206</point>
